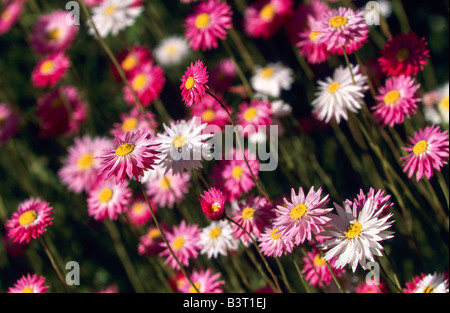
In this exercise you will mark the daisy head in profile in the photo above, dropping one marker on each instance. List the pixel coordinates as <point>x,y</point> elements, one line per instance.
<point>194,83</point>
<point>29,284</point>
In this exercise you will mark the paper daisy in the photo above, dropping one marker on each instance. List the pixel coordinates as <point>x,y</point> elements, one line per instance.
<point>211,112</point>
<point>355,236</point>
<point>315,52</point>
<point>273,244</point>
<point>208,24</point>
<point>272,79</point>
<point>404,54</point>
<point>108,200</point>
<point>254,114</point>
<point>151,242</point>
<point>79,167</point>
<point>29,221</point>
<point>217,239</point>
<point>133,121</point>
<point>302,216</point>
<point>183,145</point>
<point>212,203</point>
<point>112,16</point>
<point>436,108</point>
<point>364,287</point>
<point>380,200</point>
<point>138,213</point>
<point>316,270</point>
<point>428,151</point>
<point>184,241</point>
<point>396,100</point>
<point>193,83</point>
<point>205,282</point>
<point>9,123</point>
<point>9,16</point>
<point>337,94</point>
<point>171,51</point>
<point>29,284</point>
<point>50,70</point>
<point>433,283</point>
<point>132,59</point>
<point>131,156</point>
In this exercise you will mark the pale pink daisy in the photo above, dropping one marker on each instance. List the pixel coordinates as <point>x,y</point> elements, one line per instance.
<point>428,151</point>
<point>433,283</point>
<point>29,284</point>
<point>138,212</point>
<point>365,287</point>
<point>9,123</point>
<point>316,270</point>
<point>205,282</point>
<point>50,70</point>
<point>302,216</point>
<point>254,114</point>
<point>79,167</point>
<point>132,59</point>
<point>183,239</point>
<point>151,242</point>
<point>208,24</point>
<point>131,156</point>
<point>52,33</point>
<point>108,200</point>
<point>193,83</point>
<point>133,121</point>
<point>9,16</point>
<point>273,244</point>
<point>396,100</point>
<point>30,220</point>
<point>93,3</point>
<point>211,112</point>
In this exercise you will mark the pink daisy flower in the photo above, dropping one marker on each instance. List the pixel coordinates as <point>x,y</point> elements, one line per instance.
<point>364,287</point>
<point>380,201</point>
<point>309,46</point>
<point>264,18</point>
<point>9,123</point>
<point>50,70</point>
<point>29,284</point>
<point>396,100</point>
<point>428,150</point>
<point>299,218</point>
<point>9,16</point>
<point>133,121</point>
<point>108,200</point>
<point>254,114</point>
<point>316,270</point>
<point>183,240</point>
<point>211,112</point>
<point>253,214</point>
<point>340,28</point>
<point>205,281</point>
<point>404,54</point>
<point>131,156</point>
<point>132,59</point>
<point>61,111</point>
<point>273,244</point>
<point>193,83</point>
<point>207,24</point>
<point>29,221</point>
<point>138,212</point>
<point>79,167</point>
<point>151,243</point>
<point>212,203</point>
<point>93,3</point>
<point>147,81</point>
<point>52,33</point>
<point>223,75</point>
<point>411,286</point>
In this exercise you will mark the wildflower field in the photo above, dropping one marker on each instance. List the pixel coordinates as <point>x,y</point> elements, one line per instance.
<point>211,146</point>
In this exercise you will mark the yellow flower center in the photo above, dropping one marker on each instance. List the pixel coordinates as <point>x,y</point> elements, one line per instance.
<point>47,67</point>
<point>54,34</point>
<point>28,217</point>
<point>178,243</point>
<point>391,97</point>
<point>420,147</point>
<point>124,149</point>
<point>267,12</point>
<point>5,16</point>
<point>333,87</point>
<point>248,213</point>
<point>313,36</point>
<point>274,234</point>
<point>298,211</point>
<point>267,72</point>
<point>250,114</point>
<point>215,207</point>
<point>129,124</point>
<point>189,83</point>
<point>338,21</point>
<point>215,232</point>
<point>130,62</point>
<point>208,115</point>
<point>165,182</point>
<point>403,54</point>
<point>85,161</point>
<point>192,289</point>
<point>443,104</point>
<point>202,20</point>
<point>179,142</point>
<point>27,289</point>
<point>154,233</point>
<point>237,172</point>
<point>428,289</point>
<point>110,9</point>
<point>105,195</point>
<point>139,81</point>
<point>138,208</point>
<point>353,230</point>
<point>318,260</point>
<point>171,49</point>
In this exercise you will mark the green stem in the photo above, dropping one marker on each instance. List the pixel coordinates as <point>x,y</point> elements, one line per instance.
<point>443,185</point>
<point>53,262</point>
<point>283,275</point>
<point>350,67</point>
<point>300,274</point>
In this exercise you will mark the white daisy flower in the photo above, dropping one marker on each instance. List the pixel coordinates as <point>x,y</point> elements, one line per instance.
<point>432,283</point>
<point>280,108</point>
<point>442,104</point>
<point>217,239</point>
<point>183,145</point>
<point>355,235</point>
<point>113,15</point>
<point>272,79</point>
<point>337,95</point>
<point>171,51</point>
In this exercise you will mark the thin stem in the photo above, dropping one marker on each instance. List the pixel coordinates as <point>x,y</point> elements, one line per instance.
<point>283,275</point>
<point>443,185</point>
<point>53,262</point>
<point>300,274</point>
<point>349,65</point>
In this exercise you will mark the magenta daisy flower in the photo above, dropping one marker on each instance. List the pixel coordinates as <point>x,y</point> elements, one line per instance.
<point>79,168</point>
<point>132,59</point>
<point>264,18</point>
<point>316,270</point>
<point>61,111</point>
<point>404,54</point>
<point>396,100</point>
<point>138,212</point>
<point>133,121</point>
<point>213,204</point>
<point>9,123</point>
<point>254,114</point>
<point>193,83</point>
<point>309,46</point>
<point>211,112</point>
<point>380,200</point>
<point>273,244</point>
<point>131,156</point>
<point>205,282</point>
<point>147,82</point>
<point>183,240</point>
<point>50,70</point>
<point>108,200</point>
<point>151,242</point>
<point>364,287</point>
<point>428,151</point>
<point>208,24</point>
<point>29,221</point>
<point>9,16</point>
<point>29,284</point>
<point>299,218</point>
<point>52,33</point>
